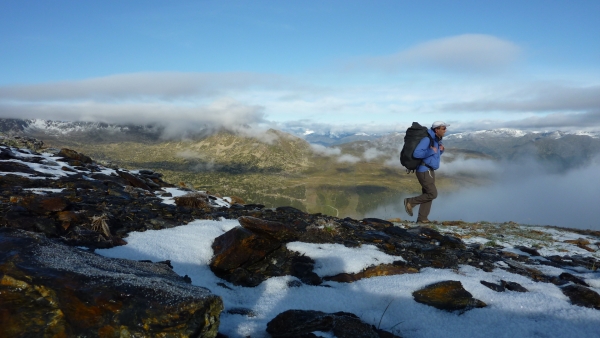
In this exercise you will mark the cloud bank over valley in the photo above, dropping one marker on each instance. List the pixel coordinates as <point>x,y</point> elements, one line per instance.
<point>526,192</point>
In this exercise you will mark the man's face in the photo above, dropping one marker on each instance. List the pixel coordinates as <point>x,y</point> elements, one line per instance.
<point>440,131</point>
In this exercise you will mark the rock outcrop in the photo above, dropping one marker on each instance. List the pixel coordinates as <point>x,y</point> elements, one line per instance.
<point>255,251</point>
<point>48,289</point>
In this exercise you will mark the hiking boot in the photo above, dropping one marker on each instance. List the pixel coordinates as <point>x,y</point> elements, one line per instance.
<point>408,207</point>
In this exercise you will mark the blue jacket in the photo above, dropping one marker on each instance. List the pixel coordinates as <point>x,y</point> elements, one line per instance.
<point>430,157</point>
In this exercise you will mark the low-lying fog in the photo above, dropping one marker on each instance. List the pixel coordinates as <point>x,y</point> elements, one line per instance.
<point>523,192</point>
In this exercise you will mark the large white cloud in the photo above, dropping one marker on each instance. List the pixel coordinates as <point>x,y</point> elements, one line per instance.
<point>143,86</point>
<point>177,119</point>
<point>468,52</point>
<point>539,97</point>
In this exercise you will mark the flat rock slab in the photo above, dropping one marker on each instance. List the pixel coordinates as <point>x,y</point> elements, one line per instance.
<point>48,289</point>
<point>447,295</point>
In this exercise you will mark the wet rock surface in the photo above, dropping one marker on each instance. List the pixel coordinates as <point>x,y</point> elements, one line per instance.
<point>48,289</point>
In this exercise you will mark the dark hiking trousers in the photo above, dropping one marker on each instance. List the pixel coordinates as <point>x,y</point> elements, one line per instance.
<point>429,193</point>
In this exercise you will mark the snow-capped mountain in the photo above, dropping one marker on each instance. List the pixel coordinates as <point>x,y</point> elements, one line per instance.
<point>332,138</point>
<point>513,133</point>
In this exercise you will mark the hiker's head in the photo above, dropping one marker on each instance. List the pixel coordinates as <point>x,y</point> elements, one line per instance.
<point>439,128</point>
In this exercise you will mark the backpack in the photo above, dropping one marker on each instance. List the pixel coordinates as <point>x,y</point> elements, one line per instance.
<point>414,135</point>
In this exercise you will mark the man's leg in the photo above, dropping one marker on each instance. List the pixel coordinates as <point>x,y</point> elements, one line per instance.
<point>429,193</point>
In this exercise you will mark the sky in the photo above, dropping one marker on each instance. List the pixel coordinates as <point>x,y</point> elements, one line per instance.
<point>341,65</point>
<point>541,312</point>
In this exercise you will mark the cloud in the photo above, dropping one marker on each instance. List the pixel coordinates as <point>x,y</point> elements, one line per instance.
<point>537,98</point>
<point>143,86</point>
<point>372,153</point>
<point>471,166</point>
<point>564,121</point>
<point>468,52</point>
<point>347,158</point>
<point>528,193</point>
<point>177,119</point>
<point>326,151</point>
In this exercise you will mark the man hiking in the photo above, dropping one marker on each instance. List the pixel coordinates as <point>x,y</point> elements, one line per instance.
<point>430,153</point>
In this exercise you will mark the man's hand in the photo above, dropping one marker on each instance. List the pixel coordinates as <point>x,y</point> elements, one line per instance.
<point>442,147</point>
<point>434,149</point>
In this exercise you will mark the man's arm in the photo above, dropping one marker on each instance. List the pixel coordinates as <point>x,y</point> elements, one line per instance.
<point>423,149</point>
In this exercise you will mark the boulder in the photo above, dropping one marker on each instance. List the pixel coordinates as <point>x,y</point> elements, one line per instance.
<point>72,155</point>
<point>239,248</point>
<point>277,230</point>
<point>582,296</point>
<point>248,257</point>
<point>48,289</point>
<point>301,323</point>
<point>447,295</point>
<point>134,181</point>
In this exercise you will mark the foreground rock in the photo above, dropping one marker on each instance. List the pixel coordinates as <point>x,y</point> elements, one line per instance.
<point>447,295</point>
<point>48,289</point>
<point>302,323</point>
<point>250,254</point>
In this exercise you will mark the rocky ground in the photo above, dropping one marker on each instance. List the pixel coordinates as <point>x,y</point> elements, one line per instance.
<point>58,206</point>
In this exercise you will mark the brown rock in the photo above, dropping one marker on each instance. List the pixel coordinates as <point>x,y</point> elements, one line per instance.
<point>277,230</point>
<point>134,181</point>
<point>67,218</point>
<point>196,200</point>
<point>44,205</point>
<point>51,290</point>
<point>292,323</point>
<point>374,271</point>
<point>582,296</point>
<point>579,241</point>
<point>301,323</point>
<point>447,295</point>
<point>74,156</point>
<point>582,243</point>
<point>236,199</point>
<point>239,247</point>
<point>453,223</point>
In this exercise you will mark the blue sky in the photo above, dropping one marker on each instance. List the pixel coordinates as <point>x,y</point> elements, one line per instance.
<point>341,65</point>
